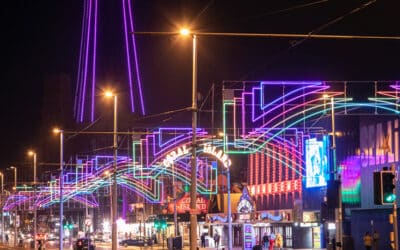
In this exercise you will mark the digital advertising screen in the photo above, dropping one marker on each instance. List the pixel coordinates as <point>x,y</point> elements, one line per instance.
<point>317,164</point>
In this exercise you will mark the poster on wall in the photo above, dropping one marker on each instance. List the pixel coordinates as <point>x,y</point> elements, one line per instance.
<point>316,153</point>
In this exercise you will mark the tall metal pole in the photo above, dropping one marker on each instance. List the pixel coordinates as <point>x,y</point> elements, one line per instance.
<point>16,207</point>
<point>229,208</point>
<point>61,188</point>
<point>2,216</point>
<point>339,225</point>
<point>395,222</point>
<point>34,200</point>
<point>174,197</point>
<point>193,188</point>
<point>114,187</point>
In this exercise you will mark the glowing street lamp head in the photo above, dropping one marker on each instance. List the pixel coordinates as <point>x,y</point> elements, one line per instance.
<point>57,130</point>
<point>109,93</point>
<point>31,153</point>
<point>184,31</point>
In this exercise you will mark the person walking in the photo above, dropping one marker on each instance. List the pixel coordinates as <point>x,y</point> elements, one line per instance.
<point>375,240</point>
<point>279,241</point>
<point>265,241</point>
<point>203,240</point>
<point>216,239</point>
<point>272,238</point>
<point>367,241</point>
<point>7,239</point>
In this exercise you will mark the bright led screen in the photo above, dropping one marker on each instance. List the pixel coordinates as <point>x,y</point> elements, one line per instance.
<point>316,154</point>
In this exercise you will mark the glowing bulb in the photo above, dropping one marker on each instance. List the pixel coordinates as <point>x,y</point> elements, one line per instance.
<point>109,94</point>
<point>184,32</point>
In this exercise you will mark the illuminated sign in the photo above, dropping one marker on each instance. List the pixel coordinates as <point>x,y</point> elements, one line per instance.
<point>248,237</point>
<point>183,205</point>
<point>172,156</point>
<point>316,154</point>
<point>219,154</point>
<point>245,204</point>
<point>276,187</point>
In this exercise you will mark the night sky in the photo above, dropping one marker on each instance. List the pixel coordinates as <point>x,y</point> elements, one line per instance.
<point>41,38</point>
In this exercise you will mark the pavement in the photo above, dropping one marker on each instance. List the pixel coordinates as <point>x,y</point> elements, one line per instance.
<point>158,247</point>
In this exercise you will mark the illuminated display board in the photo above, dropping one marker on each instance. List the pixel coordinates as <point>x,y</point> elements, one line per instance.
<point>316,153</point>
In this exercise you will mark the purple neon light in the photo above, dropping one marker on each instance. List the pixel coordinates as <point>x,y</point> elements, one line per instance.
<point>81,69</point>
<point>86,60</point>
<point>94,59</point>
<point>293,108</point>
<point>293,92</point>
<point>78,91</point>
<point>128,58</point>
<point>139,81</point>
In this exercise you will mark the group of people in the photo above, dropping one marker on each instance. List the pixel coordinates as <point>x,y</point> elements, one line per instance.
<point>216,238</point>
<point>272,240</point>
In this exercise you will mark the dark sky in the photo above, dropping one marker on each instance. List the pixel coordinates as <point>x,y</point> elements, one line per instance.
<point>41,38</point>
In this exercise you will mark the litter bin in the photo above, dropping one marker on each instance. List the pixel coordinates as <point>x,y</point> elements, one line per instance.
<point>177,243</point>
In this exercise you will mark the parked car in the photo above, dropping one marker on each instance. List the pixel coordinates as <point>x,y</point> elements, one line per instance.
<point>84,244</point>
<point>138,241</point>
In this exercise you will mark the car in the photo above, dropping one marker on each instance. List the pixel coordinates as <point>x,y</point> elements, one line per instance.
<point>84,244</point>
<point>138,241</point>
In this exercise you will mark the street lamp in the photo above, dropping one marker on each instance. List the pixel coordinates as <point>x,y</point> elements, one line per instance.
<point>15,218</point>
<point>114,185</point>
<point>193,189</point>
<point>61,132</point>
<point>33,154</point>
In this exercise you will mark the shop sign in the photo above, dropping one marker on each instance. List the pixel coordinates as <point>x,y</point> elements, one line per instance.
<point>183,205</point>
<point>309,217</point>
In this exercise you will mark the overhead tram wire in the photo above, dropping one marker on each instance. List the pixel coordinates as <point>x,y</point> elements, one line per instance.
<point>313,34</point>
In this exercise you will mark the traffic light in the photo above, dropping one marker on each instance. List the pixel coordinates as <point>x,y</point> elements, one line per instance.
<point>163,224</point>
<point>388,187</point>
<point>160,224</point>
<point>157,224</point>
<point>377,188</point>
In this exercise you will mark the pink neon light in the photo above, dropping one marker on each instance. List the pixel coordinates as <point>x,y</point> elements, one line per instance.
<point>94,59</point>
<point>128,58</point>
<point>139,81</point>
<point>78,91</point>
<point>86,61</point>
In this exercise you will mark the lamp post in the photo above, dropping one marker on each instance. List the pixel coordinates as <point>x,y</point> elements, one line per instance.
<point>61,132</point>
<point>114,185</point>
<point>339,232</point>
<point>2,216</point>
<point>16,210</point>
<point>33,154</point>
<point>228,173</point>
<point>193,188</point>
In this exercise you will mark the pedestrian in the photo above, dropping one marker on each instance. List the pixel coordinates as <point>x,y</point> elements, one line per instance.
<point>216,239</point>
<point>203,240</point>
<point>367,241</point>
<point>7,238</point>
<point>279,241</point>
<point>333,242</point>
<point>375,240</point>
<point>272,238</point>
<point>265,241</point>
